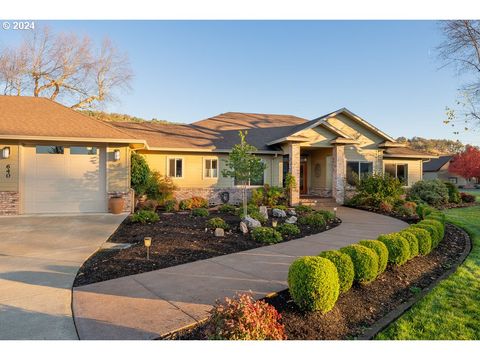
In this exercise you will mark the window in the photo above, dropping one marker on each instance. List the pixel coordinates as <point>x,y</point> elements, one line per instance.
<point>83,150</point>
<point>210,169</point>
<point>453,180</point>
<point>258,181</point>
<point>49,149</point>
<point>175,167</point>
<point>358,169</point>
<point>399,171</point>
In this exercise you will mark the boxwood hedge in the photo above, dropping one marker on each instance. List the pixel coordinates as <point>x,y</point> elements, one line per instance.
<point>381,250</point>
<point>423,237</point>
<point>398,248</point>
<point>344,266</point>
<point>412,243</point>
<point>365,262</point>
<point>313,283</point>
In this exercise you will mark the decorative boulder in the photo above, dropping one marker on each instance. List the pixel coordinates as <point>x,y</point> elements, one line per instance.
<point>219,232</point>
<point>291,212</point>
<point>251,222</point>
<point>263,210</point>
<point>291,220</point>
<point>279,213</point>
<point>243,227</point>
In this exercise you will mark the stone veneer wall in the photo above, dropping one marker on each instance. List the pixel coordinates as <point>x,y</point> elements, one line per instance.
<point>211,194</point>
<point>9,202</point>
<point>127,196</point>
<point>339,173</point>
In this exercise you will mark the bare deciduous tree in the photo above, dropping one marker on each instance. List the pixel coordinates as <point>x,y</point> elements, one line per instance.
<point>461,49</point>
<point>64,68</point>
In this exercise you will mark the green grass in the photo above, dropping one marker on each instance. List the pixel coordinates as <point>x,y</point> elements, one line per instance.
<point>475,192</point>
<point>452,309</point>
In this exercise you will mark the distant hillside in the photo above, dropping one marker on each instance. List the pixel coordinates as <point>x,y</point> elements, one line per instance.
<point>433,146</point>
<point>114,117</point>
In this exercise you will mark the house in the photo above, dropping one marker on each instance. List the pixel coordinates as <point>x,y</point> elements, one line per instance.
<point>55,160</point>
<point>438,169</point>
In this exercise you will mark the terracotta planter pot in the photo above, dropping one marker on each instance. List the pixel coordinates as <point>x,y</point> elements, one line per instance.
<point>116,205</point>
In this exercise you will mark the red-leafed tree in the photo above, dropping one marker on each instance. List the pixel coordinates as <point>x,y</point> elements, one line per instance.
<point>467,163</point>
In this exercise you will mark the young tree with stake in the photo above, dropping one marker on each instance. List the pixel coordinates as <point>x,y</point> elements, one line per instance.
<point>243,166</point>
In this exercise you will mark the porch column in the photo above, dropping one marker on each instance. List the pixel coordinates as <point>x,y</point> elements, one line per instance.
<point>338,173</point>
<point>294,169</point>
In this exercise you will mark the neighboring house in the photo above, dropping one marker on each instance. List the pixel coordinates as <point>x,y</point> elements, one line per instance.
<point>438,169</point>
<point>62,161</point>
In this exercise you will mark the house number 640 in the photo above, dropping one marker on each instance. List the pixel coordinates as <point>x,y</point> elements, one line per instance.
<point>7,171</point>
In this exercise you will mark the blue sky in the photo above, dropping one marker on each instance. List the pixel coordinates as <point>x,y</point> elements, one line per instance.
<point>385,71</point>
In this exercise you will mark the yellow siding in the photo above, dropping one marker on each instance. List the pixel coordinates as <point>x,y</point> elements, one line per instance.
<point>11,183</point>
<point>193,168</point>
<point>118,172</point>
<point>318,137</point>
<point>414,168</point>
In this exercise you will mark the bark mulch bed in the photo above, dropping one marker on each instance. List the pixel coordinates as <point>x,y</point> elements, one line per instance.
<point>363,305</point>
<point>176,239</point>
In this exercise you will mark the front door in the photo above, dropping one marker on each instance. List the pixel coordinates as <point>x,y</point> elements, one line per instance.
<point>303,178</point>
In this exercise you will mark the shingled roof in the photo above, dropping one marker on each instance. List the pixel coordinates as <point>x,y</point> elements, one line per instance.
<point>406,152</point>
<point>436,164</point>
<point>25,117</point>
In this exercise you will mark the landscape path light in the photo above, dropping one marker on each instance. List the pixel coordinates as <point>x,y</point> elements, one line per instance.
<point>147,241</point>
<point>274,223</point>
<point>335,212</point>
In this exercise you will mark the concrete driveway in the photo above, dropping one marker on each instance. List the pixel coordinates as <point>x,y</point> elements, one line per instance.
<point>39,258</point>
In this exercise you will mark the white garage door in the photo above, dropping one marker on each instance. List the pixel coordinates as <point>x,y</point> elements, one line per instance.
<point>64,179</point>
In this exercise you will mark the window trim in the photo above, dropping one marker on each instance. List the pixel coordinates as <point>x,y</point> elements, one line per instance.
<point>450,178</point>
<point>204,167</point>
<point>359,162</point>
<point>168,166</point>
<point>406,184</point>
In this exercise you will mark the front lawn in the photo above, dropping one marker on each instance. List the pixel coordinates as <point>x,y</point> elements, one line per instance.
<point>451,311</point>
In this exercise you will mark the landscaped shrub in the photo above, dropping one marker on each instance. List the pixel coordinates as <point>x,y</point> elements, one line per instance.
<point>344,265</point>
<point>423,210</point>
<point>159,187</point>
<point>467,198</point>
<point>139,173</point>
<point>303,209</point>
<point>148,205</point>
<point>144,216</point>
<point>288,230</point>
<point>193,203</point>
<point>398,248</point>
<point>406,209</point>
<point>268,195</point>
<point>266,235</point>
<point>227,209</point>
<point>436,216</point>
<point>316,221</point>
<point>200,212</point>
<point>385,206</point>
<point>374,189</point>
<point>313,283</point>
<point>433,192</point>
<point>327,215</point>
<point>171,205</point>
<point>423,237</point>
<point>243,318</point>
<point>281,207</point>
<point>258,216</point>
<point>365,262</point>
<point>412,243</point>
<point>380,249</point>
<point>432,230</point>
<point>453,193</point>
<point>439,231</point>
<point>217,222</point>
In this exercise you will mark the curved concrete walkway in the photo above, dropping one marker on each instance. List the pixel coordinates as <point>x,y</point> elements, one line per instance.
<point>149,305</point>
<point>39,259</point>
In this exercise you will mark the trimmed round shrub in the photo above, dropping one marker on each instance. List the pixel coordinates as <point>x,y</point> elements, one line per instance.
<point>316,221</point>
<point>439,229</point>
<point>381,250</point>
<point>227,209</point>
<point>243,318</point>
<point>266,235</point>
<point>431,230</point>
<point>171,205</point>
<point>344,265</point>
<point>216,222</point>
<point>423,210</point>
<point>313,283</point>
<point>145,216</point>
<point>303,209</point>
<point>398,248</point>
<point>288,230</point>
<point>412,243</point>
<point>423,237</point>
<point>433,192</point>
<point>200,212</point>
<point>327,215</point>
<point>365,262</point>
<point>437,215</point>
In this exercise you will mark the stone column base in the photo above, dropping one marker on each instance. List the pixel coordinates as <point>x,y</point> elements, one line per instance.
<point>9,203</point>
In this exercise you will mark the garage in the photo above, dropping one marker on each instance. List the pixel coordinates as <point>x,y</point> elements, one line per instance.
<point>64,179</point>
